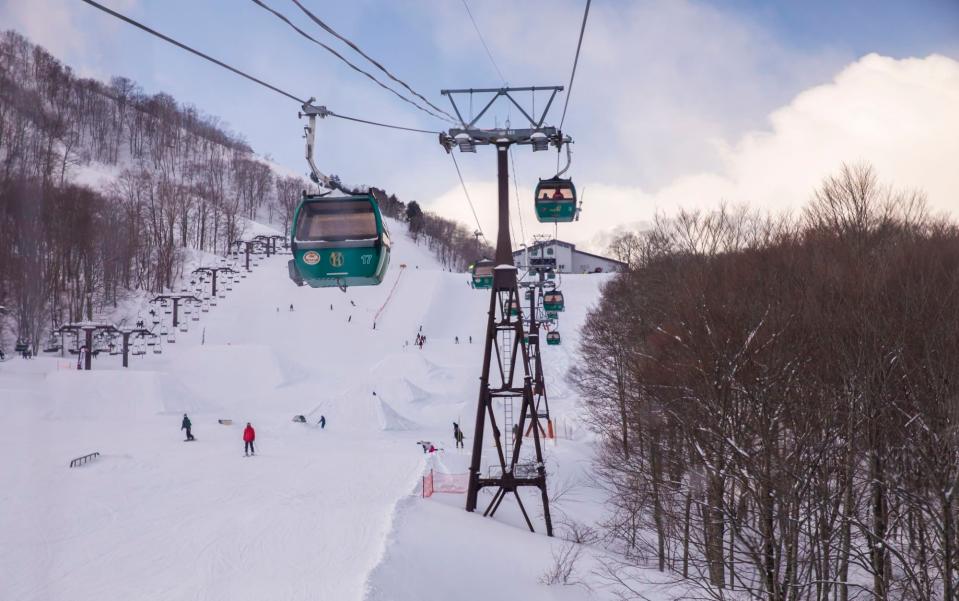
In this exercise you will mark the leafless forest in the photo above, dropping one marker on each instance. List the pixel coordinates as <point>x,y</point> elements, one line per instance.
<point>777,399</point>
<point>179,180</point>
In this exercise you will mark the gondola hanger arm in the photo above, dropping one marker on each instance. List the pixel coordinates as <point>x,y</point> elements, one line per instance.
<point>312,111</point>
<point>569,160</point>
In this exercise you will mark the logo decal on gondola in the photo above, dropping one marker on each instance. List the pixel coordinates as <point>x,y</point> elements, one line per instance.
<point>311,258</point>
<point>336,259</point>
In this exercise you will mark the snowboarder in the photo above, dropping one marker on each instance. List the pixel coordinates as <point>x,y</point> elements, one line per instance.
<point>459,439</point>
<point>249,435</point>
<point>291,306</point>
<point>350,319</point>
<point>457,339</point>
<point>331,306</point>
<point>471,340</point>
<point>352,303</point>
<point>186,425</point>
<point>322,422</point>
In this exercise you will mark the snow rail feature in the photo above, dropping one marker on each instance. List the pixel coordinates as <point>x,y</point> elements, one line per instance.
<point>84,459</point>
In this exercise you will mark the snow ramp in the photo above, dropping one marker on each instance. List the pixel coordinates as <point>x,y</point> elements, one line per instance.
<point>121,395</point>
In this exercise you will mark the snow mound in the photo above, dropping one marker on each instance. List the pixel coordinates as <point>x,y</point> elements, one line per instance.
<point>390,420</point>
<point>121,395</point>
<point>253,372</point>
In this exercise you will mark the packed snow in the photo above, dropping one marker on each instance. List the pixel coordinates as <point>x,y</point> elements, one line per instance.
<point>317,513</point>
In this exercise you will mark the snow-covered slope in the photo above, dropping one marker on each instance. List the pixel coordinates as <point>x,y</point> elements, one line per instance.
<point>328,513</point>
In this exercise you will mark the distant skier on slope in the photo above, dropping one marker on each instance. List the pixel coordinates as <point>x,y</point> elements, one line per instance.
<point>459,439</point>
<point>249,435</point>
<point>322,422</point>
<point>186,425</point>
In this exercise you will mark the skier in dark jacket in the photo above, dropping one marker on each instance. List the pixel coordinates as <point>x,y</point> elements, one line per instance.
<point>249,435</point>
<point>459,439</point>
<point>322,422</point>
<point>186,425</point>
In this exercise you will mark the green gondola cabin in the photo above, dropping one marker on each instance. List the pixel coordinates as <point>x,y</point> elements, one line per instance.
<point>339,241</point>
<point>553,338</point>
<point>555,200</point>
<point>482,273</point>
<point>553,301</point>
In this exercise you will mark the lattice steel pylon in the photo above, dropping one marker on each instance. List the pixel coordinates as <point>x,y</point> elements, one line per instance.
<point>534,288</point>
<point>506,374</point>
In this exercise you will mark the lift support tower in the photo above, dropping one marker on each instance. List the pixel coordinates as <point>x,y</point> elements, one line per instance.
<point>505,353</point>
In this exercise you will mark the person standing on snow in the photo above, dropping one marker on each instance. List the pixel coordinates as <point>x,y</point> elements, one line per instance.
<point>459,439</point>
<point>186,425</point>
<point>249,435</point>
<point>322,422</point>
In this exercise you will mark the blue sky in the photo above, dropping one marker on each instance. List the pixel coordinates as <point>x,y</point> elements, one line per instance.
<point>664,86</point>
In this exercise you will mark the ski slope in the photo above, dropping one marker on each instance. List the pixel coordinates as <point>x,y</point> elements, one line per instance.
<point>316,514</point>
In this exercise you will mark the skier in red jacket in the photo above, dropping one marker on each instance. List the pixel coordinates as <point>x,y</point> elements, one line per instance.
<point>249,435</point>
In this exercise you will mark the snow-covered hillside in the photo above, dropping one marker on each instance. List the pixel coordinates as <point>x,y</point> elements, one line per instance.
<point>330,513</point>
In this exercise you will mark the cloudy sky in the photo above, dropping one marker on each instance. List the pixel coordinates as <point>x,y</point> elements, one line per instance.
<point>676,103</point>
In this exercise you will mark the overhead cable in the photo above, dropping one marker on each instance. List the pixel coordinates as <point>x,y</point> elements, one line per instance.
<point>376,63</point>
<point>378,124</point>
<point>466,192</point>
<point>283,18</point>
<point>189,49</point>
<point>579,44</point>
<point>488,53</point>
<point>519,205</point>
<point>219,63</point>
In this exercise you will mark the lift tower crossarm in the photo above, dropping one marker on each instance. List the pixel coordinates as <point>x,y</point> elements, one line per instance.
<point>534,122</point>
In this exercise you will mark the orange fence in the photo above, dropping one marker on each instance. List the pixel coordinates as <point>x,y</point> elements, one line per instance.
<point>450,483</point>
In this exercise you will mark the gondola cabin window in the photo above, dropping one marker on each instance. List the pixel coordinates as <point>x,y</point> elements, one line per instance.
<point>337,221</point>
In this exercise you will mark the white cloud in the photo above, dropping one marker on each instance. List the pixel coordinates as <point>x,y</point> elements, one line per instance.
<point>50,23</point>
<point>898,115</point>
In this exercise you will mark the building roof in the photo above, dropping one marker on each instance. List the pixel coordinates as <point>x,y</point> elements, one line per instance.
<point>570,245</point>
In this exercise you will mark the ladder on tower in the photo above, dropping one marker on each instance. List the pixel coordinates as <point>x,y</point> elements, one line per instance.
<point>507,352</point>
<point>508,426</point>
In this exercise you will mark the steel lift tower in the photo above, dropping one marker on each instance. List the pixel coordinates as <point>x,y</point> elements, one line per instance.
<point>506,374</point>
